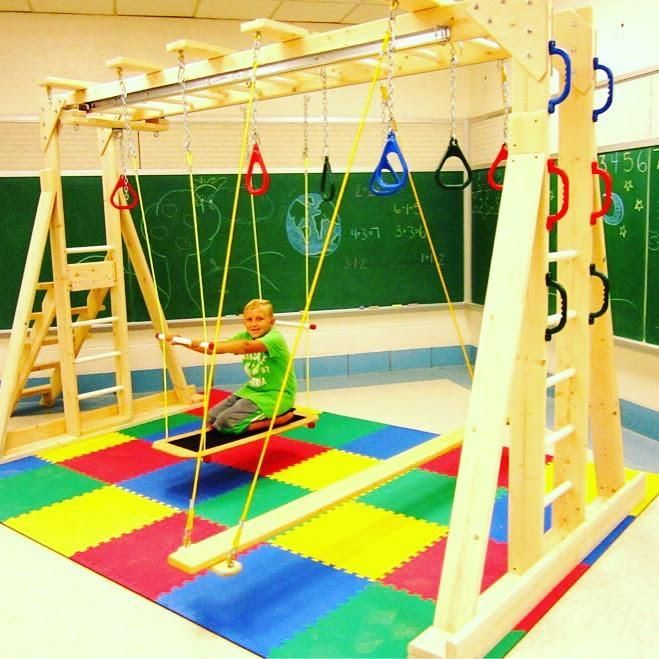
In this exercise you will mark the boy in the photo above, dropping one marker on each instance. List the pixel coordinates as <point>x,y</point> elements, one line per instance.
<point>265,357</point>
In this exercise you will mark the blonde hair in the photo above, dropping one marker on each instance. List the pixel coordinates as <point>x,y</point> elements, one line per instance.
<point>255,303</point>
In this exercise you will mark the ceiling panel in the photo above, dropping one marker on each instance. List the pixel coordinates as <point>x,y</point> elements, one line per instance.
<point>363,13</point>
<point>179,8</point>
<point>73,6</point>
<point>14,5</point>
<point>319,12</point>
<point>236,9</point>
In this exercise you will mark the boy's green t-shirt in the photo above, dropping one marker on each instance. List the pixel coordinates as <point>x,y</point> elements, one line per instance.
<point>266,372</point>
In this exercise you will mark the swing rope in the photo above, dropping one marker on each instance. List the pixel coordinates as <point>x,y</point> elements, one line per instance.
<point>305,159</point>
<point>310,295</point>
<point>129,148</point>
<point>189,524</point>
<point>438,267</point>
<point>187,147</point>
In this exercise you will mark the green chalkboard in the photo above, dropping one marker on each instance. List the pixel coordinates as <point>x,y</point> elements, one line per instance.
<point>652,306</point>
<point>631,230</point>
<point>379,255</point>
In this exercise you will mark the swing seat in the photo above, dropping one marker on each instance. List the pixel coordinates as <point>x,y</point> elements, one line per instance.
<point>188,444</point>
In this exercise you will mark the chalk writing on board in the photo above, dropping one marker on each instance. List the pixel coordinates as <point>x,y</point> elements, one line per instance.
<point>319,214</point>
<point>170,227</point>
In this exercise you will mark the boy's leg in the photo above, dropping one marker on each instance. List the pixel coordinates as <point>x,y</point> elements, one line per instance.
<point>216,410</point>
<point>234,418</point>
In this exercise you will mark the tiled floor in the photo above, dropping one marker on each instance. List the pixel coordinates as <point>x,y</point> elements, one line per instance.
<point>51,607</point>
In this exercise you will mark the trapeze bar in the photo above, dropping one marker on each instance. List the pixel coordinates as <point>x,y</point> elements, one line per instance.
<point>418,39</point>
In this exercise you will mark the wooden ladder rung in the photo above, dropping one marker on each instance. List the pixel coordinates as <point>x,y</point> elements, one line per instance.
<point>100,392</point>
<point>89,248</point>
<point>275,30</point>
<point>563,255</point>
<point>95,321</point>
<point>45,285</point>
<point>44,366</point>
<point>130,64</point>
<point>556,436</point>
<point>195,48</point>
<point>559,491</point>
<point>98,357</point>
<point>38,390</point>
<point>560,377</point>
<point>555,317</point>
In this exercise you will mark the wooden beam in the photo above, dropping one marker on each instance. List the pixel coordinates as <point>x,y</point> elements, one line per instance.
<point>214,549</point>
<point>52,82</point>
<point>487,415</point>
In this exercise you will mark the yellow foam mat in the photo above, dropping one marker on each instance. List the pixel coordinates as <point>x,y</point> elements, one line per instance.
<point>89,519</point>
<point>323,469</point>
<point>91,445</point>
<point>361,539</point>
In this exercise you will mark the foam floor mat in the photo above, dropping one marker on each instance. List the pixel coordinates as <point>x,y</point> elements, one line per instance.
<point>358,580</point>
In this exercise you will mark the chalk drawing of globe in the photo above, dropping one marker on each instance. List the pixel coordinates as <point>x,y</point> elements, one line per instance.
<point>618,212</point>
<point>320,215</point>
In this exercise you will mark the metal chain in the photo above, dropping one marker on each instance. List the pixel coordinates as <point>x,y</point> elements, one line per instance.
<point>453,85</point>
<point>505,90</point>
<point>323,77</point>
<point>127,147</point>
<point>187,140</point>
<point>305,134</point>
<point>255,63</point>
<point>391,47</point>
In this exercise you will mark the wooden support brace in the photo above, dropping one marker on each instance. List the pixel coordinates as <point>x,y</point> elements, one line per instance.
<point>210,551</point>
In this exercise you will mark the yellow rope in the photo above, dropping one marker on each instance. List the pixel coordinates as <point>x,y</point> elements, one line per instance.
<point>187,535</point>
<point>305,313</point>
<point>307,368</point>
<point>438,267</point>
<point>161,315</point>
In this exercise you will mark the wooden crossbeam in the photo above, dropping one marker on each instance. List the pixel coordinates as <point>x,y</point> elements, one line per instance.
<point>65,83</point>
<point>208,552</point>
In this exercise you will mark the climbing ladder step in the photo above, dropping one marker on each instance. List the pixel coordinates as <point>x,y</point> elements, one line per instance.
<point>89,248</point>
<point>561,376</point>
<point>100,322</point>
<point>556,436</point>
<point>98,357</point>
<point>556,317</point>
<point>563,255</point>
<point>100,392</point>
<point>557,492</point>
<point>38,390</point>
<point>45,366</point>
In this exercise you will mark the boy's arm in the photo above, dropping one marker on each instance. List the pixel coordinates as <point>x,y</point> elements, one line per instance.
<point>230,346</point>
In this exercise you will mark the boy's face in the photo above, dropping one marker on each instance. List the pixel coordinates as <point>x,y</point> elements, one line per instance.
<point>258,321</point>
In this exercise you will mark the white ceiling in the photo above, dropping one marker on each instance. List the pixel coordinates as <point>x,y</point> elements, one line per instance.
<point>303,11</point>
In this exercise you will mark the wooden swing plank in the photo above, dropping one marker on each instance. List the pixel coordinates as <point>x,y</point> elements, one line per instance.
<point>183,445</point>
<point>201,555</point>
